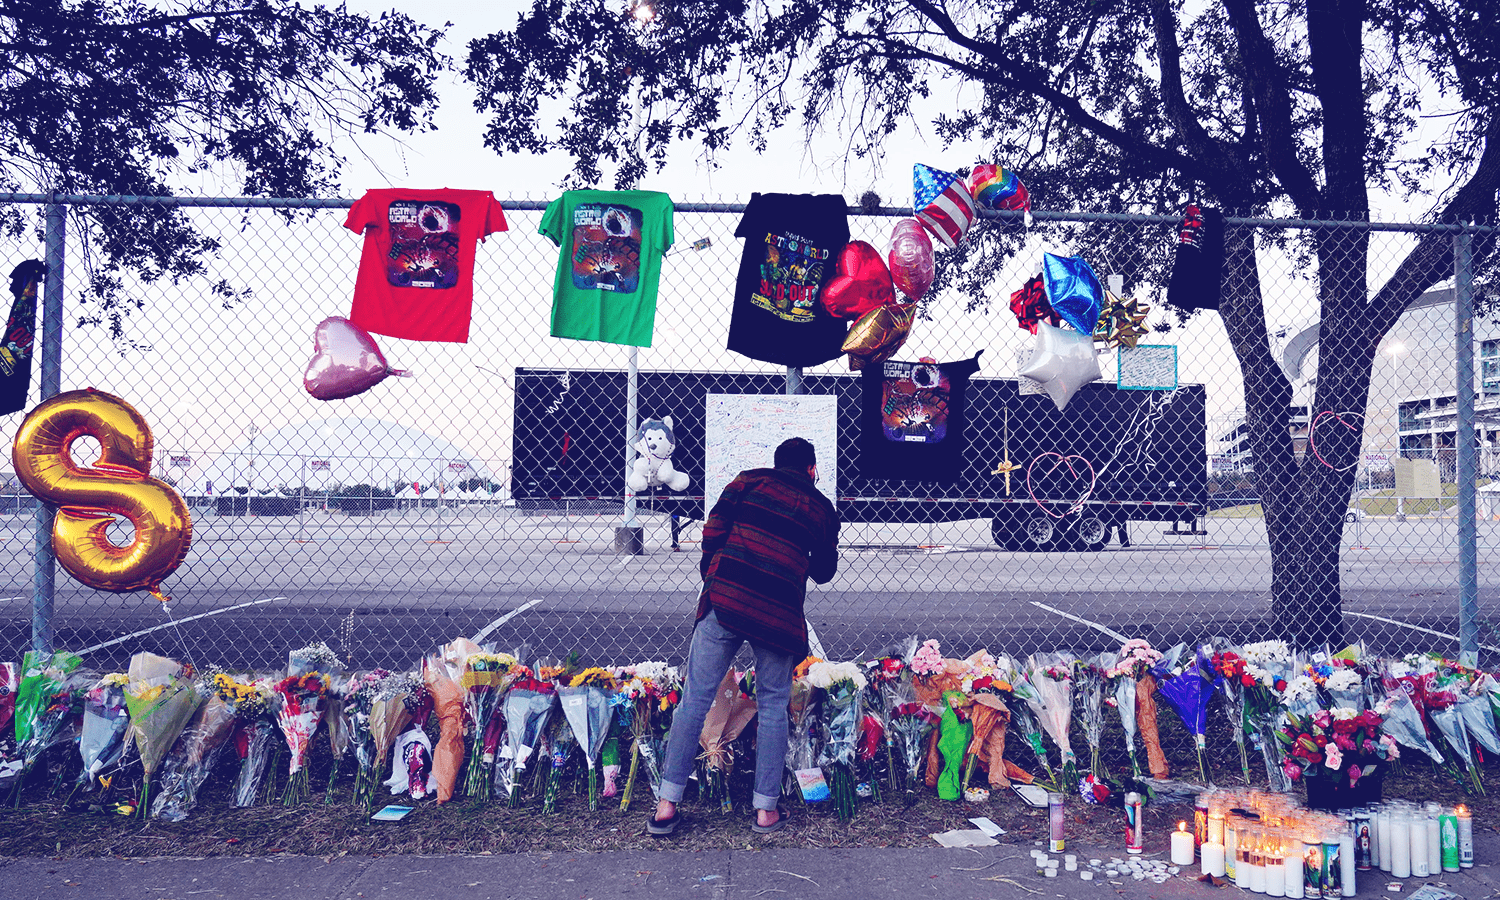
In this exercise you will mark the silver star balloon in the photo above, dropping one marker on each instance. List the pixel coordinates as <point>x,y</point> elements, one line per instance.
<point>1063,362</point>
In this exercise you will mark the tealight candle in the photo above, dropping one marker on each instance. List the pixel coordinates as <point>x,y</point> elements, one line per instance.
<point>1212,859</point>
<point>1182,846</point>
<point>1465,837</point>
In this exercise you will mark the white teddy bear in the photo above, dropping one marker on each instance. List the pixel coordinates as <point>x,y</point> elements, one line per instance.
<point>654,443</point>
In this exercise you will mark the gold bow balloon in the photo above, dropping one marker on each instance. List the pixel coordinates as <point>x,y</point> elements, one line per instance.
<point>878,334</point>
<point>1121,322</point>
<point>89,497</point>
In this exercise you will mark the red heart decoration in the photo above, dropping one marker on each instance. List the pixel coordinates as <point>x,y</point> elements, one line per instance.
<point>346,361</point>
<point>1075,471</point>
<point>863,283</point>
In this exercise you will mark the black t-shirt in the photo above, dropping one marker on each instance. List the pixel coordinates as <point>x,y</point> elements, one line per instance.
<point>792,244</point>
<point>912,418</point>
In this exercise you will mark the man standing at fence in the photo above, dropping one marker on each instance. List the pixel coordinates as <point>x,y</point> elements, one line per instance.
<point>769,532</point>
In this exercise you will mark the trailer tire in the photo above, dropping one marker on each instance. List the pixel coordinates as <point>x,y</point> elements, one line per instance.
<point>1087,532</point>
<point>1039,531</point>
<point>1005,528</point>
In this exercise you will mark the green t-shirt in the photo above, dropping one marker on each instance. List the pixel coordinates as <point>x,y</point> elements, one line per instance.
<point>607,274</point>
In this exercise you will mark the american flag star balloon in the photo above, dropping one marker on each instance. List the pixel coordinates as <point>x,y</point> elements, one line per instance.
<point>943,204</point>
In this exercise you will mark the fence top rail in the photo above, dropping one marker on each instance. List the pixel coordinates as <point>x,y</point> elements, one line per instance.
<point>1006,215</point>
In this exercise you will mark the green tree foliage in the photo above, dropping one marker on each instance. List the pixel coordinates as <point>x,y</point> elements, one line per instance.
<point>132,98</point>
<point>1315,108</point>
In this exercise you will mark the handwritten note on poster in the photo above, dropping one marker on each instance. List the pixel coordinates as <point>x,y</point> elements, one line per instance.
<point>742,432</point>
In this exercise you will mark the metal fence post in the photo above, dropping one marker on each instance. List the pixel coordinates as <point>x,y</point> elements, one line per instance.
<point>49,351</point>
<point>1468,559</point>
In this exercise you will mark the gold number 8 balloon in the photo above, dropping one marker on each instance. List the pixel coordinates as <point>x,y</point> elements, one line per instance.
<point>90,497</point>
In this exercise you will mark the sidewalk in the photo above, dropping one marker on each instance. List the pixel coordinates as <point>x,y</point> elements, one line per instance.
<point>1006,871</point>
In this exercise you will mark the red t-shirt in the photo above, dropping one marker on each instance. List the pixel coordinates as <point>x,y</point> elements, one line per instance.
<point>416,275</point>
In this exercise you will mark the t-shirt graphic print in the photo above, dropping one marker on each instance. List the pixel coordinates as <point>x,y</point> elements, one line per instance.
<point>791,277</point>
<point>607,247</point>
<point>914,403</point>
<point>424,244</point>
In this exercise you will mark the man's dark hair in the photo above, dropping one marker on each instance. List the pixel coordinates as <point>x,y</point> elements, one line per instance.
<point>795,453</point>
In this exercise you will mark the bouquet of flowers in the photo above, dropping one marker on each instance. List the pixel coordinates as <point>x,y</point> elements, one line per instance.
<point>911,726</point>
<point>989,712</point>
<point>303,696</point>
<point>651,690</point>
<point>411,764</point>
<point>1051,678</point>
<point>528,705</point>
<point>47,700</point>
<point>1189,687</point>
<point>1441,697</point>
<point>161,698</point>
<point>340,730</point>
<point>1092,676</point>
<point>586,706</point>
<point>1021,712</point>
<point>802,716</point>
<point>1267,667</point>
<point>197,749</point>
<point>1402,721</point>
<point>1231,668</point>
<point>298,712</point>
<point>448,703</point>
<point>731,711</point>
<point>10,679</point>
<point>483,683</point>
<point>841,684</point>
<point>401,698</point>
<point>1134,687</point>
<point>560,742</point>
<point>359,702</point>
<point>255,738</point>
<point>1339,744</point>
<point>106,724</point>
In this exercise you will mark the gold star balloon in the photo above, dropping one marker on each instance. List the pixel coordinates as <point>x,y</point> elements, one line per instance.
<point>1121,322</point>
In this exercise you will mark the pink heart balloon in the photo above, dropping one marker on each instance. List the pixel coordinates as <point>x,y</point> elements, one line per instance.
<point>345,361</point>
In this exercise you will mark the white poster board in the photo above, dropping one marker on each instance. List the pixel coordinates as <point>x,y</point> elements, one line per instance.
<point>742,431</point>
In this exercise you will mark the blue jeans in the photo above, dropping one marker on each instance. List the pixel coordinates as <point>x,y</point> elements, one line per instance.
<point>712,651</point>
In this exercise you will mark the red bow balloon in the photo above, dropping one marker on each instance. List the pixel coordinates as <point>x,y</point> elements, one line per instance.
<point>1030,306</point>
<point>863,283</point>
<point>911,258</point>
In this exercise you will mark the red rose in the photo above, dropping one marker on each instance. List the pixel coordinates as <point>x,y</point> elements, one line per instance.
<point>1246,680</point>
<point>1280,684</point>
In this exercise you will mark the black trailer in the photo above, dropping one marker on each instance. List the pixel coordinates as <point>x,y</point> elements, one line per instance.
<point>1111,456</point>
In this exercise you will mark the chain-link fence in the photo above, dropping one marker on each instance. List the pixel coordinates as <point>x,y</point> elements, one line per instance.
<point>485,494</point>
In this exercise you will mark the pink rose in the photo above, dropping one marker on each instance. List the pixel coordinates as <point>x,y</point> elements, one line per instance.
<point>1292,770</point>
<point>1335,760</point>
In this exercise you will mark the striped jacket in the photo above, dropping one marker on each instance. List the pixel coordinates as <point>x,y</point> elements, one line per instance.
<point>770,531</point>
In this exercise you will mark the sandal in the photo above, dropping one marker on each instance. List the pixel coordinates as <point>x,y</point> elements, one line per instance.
<point>780,823</point>
<point>664,827</point>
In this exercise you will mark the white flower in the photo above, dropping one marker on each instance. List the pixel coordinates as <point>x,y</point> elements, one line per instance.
<point>1260,675</point>
<point>1263,652</point>
<point>825,674</point>
<point>1299,690</point>
<point>1399,669</point>
<point>1343,713</point>
<point>1343,679</point>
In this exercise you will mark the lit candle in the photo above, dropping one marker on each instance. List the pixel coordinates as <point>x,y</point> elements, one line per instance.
<point>1419,867</point>
<point>1211,859</point>
<point>1232,825</point>
<point>1401,845</point>
<point>1215,827</point>
<point>1244,840</point>
<point>1200,818</point>
<point>1182,846</point>
<point>1257,860</point>
<point>1275,865</point>
<point>1465,837</point>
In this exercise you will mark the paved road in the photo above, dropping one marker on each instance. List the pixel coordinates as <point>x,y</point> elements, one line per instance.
<point>403,585</point>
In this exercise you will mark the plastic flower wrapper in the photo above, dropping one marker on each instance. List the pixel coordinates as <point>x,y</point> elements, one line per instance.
<point>255,739</point>
<point>1092,675</point>
<point>1450,723</point>
<point>195,753</point>
<point>411,764</point>
<point>652,690</point>
<point>1230,667</point>
<point>482,682</point>
<point>841,684</point>
<point>1188,689</point>
<point>528,706</point>
<point>392,710</point>
<point>585,702</point>
<point>1479,721</point>
<point>802,719</point>
<point>990,714</point>
<point>42,676</point>
<point>955,733</point>
<point>1403,723</point>
<point>359,701</point>
<point>338,727</point>
<point>1022,715</point>
<point>106,727</point>
<point>162,699</point>
<point>560,750</point>
<point>1132,664</point>
<point>911,725</point>
<point>731,711</point>
<point>50,724</point>
<point>299,710</point>
<point>448,704</point>
<point>1051,678</point>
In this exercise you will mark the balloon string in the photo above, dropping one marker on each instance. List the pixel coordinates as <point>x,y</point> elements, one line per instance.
<point>176,628</point>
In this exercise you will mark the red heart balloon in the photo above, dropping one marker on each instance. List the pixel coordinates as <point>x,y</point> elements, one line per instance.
<point>863,283</point>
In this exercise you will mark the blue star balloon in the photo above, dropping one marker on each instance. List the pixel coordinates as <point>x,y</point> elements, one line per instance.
<point>1073,290</point>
